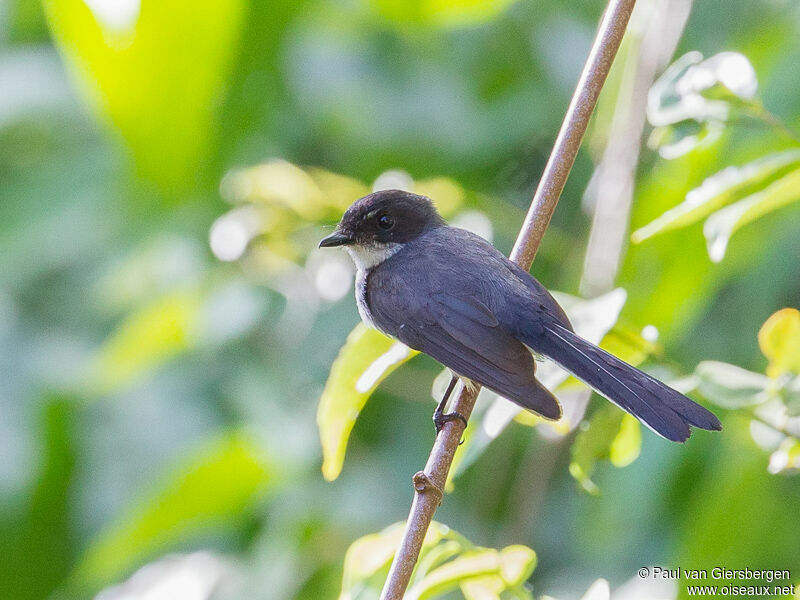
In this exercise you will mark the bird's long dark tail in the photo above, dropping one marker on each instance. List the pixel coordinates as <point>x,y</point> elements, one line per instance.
<point>666,411</point>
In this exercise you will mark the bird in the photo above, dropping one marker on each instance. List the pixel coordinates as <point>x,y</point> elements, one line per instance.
<point>452,295</point>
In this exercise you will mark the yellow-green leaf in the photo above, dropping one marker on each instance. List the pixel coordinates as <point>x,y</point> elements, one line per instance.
<point>512,566</point>
<point>482,588</point>
<point>155,70</point>
<point>627,443</point>
<point>441,13</point>
<point>718,191</point>
<point>516,564</point>
<point>211,486</point>
<point>144,340</point>
<point>779,339</point>
<point>720,226</point>
<point>364,361</point>
<point>593,443</point>
<point>372,553</point>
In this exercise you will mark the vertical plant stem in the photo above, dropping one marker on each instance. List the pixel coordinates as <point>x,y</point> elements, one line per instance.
<point>428,484</point>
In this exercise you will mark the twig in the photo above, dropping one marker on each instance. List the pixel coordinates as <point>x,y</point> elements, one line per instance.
<point>428,484</point>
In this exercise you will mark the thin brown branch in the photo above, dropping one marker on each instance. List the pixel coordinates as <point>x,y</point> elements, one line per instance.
<point>428,484</point>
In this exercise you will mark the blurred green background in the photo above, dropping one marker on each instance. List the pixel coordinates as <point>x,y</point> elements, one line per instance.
<point>167,324</point>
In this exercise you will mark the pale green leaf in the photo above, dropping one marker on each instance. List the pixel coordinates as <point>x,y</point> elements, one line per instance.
<point>720,226</point>
<point>209,488</point>
<point>593,443</point>
<point>146,339</point>
<point>513,565</point>
<point>730,386</point>
<point>482,588</point>
<point>786,457</point>
<point>516,564</point>
<point>371,554</point>
<point>155,70</point>
<point>599,590</point>
<point>627,444</point>
<point>718,191</point>
<point>779,339</point>
<point>365,360</point>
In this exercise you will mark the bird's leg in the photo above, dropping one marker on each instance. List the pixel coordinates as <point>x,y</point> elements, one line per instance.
<point>439,416</point>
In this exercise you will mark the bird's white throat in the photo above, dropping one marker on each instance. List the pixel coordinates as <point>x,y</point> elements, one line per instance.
<point>368,257</point>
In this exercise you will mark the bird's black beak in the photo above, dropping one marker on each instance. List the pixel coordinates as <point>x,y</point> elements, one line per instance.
<point>337,238</point>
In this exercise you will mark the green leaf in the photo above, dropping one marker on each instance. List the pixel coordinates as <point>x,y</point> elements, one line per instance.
<point>211,487</point>
<point>779,340</point>
<point>594,442</point>
<point>447,561</point>
<point>365,360</point>
<point>786,457</point>
<point>730,386</point>
<point>719,190</point>
<point>627,444</point>
<point>37,548</point>
<point>144,340</point>
<point>720,226</point>
<point>511,566</point>
<point>367,559</point>
<point>441,13</point>
<point>155,72</point>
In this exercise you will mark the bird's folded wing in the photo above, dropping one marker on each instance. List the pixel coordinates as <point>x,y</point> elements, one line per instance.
<point>462,333</point>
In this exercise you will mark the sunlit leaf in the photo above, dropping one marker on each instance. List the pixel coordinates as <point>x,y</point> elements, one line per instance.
<point>365,360</point>
<point>599,590</point>
<point>313,194</point>
<point>155,70</point>
<point>367,561</point>
<point>373,553</point>
<point>448,195</point>
<point>730,386</point>
<point>719,190</point>
<point>593,443</point>
<point>673,141</point>
<point>146,339</point>
<point>786,457</point>
<point>513,565</point>
<point>779,339</point>
<point>627,444</point>
<point>691,101</point>
<point>209,488</point>
<point>482,588</point>
<point>723,224</point>
<point>492,588</point>
<point>442,13</point>
<point>447,561</point>
<point>693,88</point>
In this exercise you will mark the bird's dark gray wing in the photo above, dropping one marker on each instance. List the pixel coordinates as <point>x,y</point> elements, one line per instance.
<point>458,329</point>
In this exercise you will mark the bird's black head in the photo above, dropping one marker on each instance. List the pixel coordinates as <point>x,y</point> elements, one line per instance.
<point>384,220</point>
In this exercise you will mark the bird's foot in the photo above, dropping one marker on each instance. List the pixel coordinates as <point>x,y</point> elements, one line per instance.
<point>440,418</point>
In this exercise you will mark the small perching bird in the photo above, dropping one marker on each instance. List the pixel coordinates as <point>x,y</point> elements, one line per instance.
<point>450,294</point>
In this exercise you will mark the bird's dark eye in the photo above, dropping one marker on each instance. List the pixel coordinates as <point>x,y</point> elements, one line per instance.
<point>385,222</point>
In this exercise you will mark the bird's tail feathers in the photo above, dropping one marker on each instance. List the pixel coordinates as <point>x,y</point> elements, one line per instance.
<point>664,410</point>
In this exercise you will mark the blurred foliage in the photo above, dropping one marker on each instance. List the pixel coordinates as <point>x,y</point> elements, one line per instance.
<point>447,562</point>
<point>366,359</point>
<point>689,105</point>
<point>168,326</point>
<point>773,400</point>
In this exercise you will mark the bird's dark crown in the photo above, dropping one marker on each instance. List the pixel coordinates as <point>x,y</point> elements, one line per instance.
<point>388,216</point>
